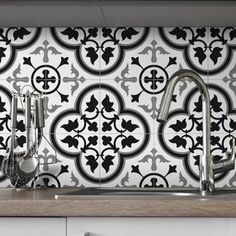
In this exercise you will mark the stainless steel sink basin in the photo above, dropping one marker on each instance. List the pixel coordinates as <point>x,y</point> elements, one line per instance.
<point>182,192</point>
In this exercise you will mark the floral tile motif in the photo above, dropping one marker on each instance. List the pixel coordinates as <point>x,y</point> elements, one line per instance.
<point>78,156</point>
<point>55,107</point>
<point>154,178</point>
<point>83,42</point>
<point>107,121</point>
<point>202,46</point>
<point>5,127</point>
<point>148,70</point>
<point>225,118</point>
<point>122,154</point>
<point>222,45</point>
<point>15,39</point>
<point>50,71</point>
<point>103,88</point>
<point>184,86</point>
<point>186,140</point>
<point>56,170</point>
<point>53,178</point>
<point>228,79</point>
<point>192,42</point>
<point>95,46</point>
<point>151,168</point>
<point>18,76</point>
<point>222,147</point>
<point>143,75</point>
<point>116,42</point>
<point>129,104</point>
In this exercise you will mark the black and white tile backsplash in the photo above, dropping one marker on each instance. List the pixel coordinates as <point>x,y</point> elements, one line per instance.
<point>103,88</point>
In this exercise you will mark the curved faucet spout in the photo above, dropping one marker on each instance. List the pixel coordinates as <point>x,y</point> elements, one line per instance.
<point>206,164</point>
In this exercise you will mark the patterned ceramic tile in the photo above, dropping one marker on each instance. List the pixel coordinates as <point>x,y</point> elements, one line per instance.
<point>105,115</point>
<point>188,128</point>
<point>179,178</point>
<point>228,78</point>
<point>5,127</point>
<point>71,77</point>
<point>80,153</point>
<point>103,88</point>
<point>74,52</point>
<point>15,40</point>
<point>177,44</point>
<point>54,107</point>
<point>54,172</point>
<point>117,43</point>
<point>221,87</point>
<point>223,108</point>
<point>184,147</point>
<point>120,154</point>
<point>221,46</point>
<point>83,43</point>
<point>127,77</point>
<point>192,43</point>
<point>121,101</point>
<point>187,118</point>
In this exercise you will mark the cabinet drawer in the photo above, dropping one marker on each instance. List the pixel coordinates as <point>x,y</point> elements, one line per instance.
<point>105,226</point>
<point>24,226</point>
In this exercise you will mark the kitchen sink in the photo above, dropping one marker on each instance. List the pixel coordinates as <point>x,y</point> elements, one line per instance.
<point>165,192</point>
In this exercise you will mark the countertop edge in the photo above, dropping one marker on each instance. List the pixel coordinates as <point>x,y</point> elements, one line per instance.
<point>119,208</point>
<point>42,203</point>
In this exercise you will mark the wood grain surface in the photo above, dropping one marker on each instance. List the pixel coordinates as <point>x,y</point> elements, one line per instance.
<point>43,203</point>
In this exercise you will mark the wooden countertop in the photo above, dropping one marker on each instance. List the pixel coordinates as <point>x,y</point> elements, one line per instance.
<point>42,203</point>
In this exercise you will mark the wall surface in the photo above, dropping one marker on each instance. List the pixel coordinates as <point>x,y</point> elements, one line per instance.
<point>103,88</point>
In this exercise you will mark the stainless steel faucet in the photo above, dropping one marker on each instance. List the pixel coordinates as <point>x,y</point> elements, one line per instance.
<point>207,168</point>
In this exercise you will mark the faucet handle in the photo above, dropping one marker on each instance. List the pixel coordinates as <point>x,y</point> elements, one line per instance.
<point>233,144</point>
<point>229,163</point>
<point>231,155</point>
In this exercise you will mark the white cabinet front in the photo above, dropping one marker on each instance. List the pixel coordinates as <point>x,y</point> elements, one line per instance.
<point>24,226</point>
<point>104,226</point>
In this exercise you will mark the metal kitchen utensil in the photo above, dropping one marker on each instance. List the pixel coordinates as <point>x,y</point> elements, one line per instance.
<point>9,161</point>
<point>41,122</point>
<point>38,127</point>
<point>27,164</point>
<point>21,169</point>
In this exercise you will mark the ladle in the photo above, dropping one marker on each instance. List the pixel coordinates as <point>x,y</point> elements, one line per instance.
<point>27,164</point>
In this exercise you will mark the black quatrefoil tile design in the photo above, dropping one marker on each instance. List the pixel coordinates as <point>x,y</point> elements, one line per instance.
<point>103,88</point>
<point>186,142</point>
<point>82,125</point>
